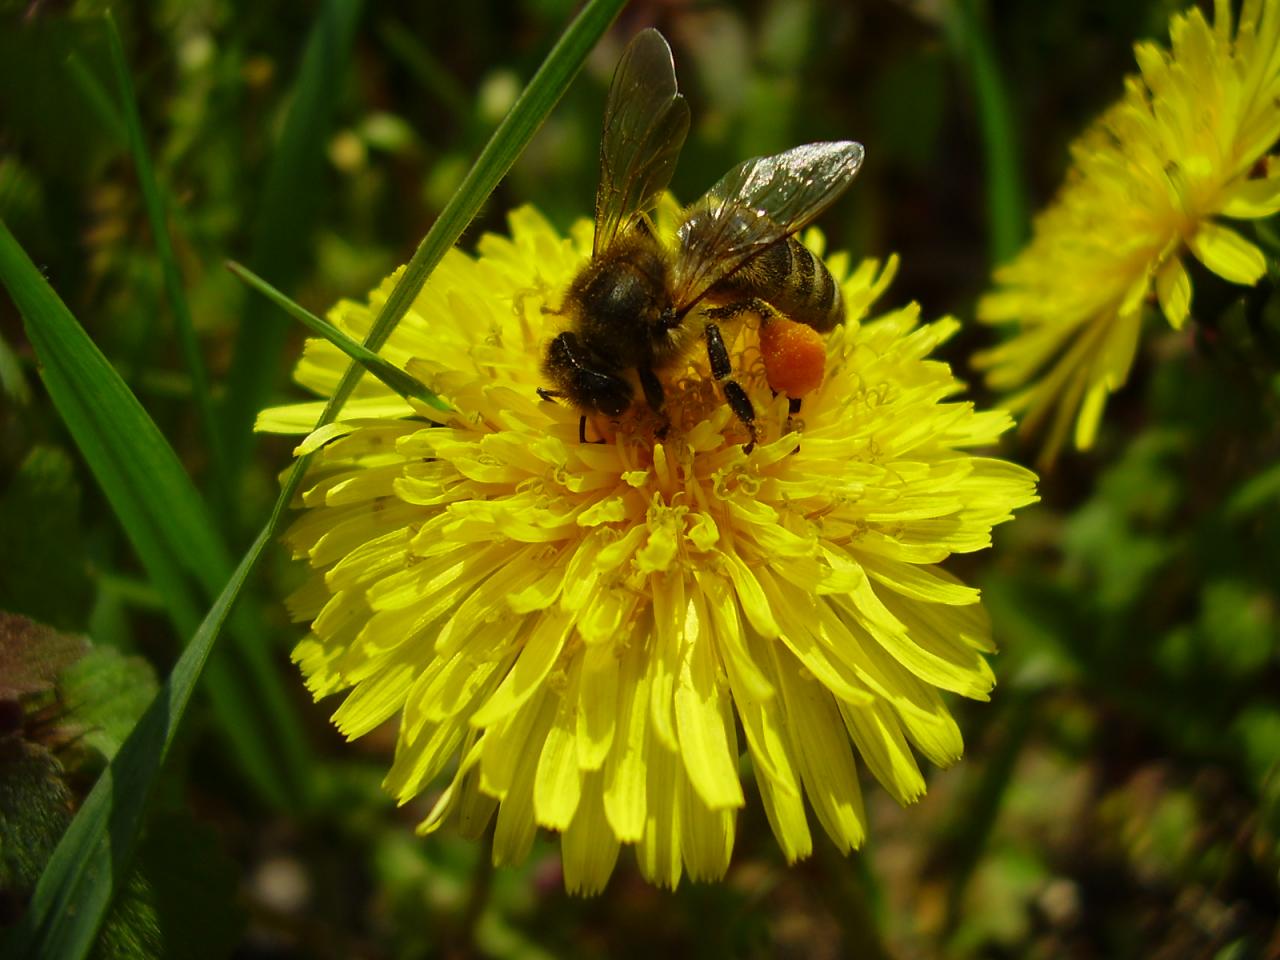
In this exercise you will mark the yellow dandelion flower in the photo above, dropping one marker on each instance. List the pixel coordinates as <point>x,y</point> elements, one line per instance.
<point>586,633</point>
<point>1153,178</point>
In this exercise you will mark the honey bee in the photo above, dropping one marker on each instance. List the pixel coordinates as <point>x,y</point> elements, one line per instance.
<point>631,308</point>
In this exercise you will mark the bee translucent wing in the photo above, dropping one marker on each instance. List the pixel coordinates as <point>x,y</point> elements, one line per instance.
<point>645,123</point>
<point>756,204</point>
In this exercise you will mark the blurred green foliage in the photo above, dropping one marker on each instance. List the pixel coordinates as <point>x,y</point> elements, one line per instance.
<point>1121,794</point>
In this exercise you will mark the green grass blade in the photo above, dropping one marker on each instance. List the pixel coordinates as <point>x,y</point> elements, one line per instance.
<point>177,297</point>
<point>513,134</point>
<point>76,887</point>
<point>288,208</point>
<point>154,501</point>
<point>1006,188</point>
<point>97,98</point>
<point>391,375</point>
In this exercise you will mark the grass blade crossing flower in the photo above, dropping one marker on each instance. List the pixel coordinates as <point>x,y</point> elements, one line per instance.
<point>583,632</point>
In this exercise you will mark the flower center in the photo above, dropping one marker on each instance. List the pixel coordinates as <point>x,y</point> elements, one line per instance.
<point>692,396</point>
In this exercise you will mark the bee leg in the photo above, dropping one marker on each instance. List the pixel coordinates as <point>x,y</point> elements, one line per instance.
<point>655,397</point>
<point>722,370</point>
<point>553,395</point>
<point>730,311</point>
<point>741,405</point>
<point>653,393</point>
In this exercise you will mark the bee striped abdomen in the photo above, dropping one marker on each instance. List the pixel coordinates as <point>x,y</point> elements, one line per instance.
<point>792,280</point>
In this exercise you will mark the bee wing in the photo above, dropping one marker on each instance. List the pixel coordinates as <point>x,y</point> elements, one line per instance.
<point>645,123</point>
<point>756,204</point>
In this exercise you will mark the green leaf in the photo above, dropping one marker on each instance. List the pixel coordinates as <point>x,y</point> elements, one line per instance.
<point>1116,543</point>
<point>1237,627</point>
<point>1258,493</point>
<point>104,693</point>
<point>391,375</point>
<point>287,212</point>
<point>35,806</point>
<point>43,569</point>
<point>77,885</point>
<point>32,655</point>
<point>1114,560</point>
<point>1257,732</point>
<point>161,513</point>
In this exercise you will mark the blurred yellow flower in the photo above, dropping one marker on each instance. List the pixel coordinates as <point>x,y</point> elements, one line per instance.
<point>583,631</point>
<point>1151,179</point>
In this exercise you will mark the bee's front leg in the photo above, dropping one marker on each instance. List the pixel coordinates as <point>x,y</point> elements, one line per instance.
<point>722,370</point>
<point>653,392</point>
<point>655,397</point>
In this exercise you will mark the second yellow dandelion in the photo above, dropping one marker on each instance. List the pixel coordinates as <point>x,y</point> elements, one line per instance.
<point>1155,176</point>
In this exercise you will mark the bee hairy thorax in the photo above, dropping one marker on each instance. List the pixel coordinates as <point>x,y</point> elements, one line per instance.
<point>618,304</point>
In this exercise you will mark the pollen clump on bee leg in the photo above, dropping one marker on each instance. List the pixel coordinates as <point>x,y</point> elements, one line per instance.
<point>795,356</point>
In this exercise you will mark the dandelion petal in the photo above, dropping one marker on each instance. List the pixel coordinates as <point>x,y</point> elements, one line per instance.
<point>1228,254</point>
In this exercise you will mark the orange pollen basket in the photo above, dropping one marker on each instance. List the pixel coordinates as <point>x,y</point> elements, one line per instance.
<point>795,356</point>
